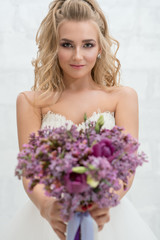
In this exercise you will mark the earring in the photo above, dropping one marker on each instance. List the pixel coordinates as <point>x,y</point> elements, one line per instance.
<point>99,56</point>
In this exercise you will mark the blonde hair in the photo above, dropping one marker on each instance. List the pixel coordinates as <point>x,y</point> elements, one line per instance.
<point>48,74</point>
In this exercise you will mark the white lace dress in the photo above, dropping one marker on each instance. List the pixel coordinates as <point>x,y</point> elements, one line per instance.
<point>125,222</point>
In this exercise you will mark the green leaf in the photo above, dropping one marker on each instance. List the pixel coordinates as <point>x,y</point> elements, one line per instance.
<point>79,169</point>
<point>93,143</point>
<point>70,135</point>
<point>100,121</point>
<point>85,117</point>
<point>91,167</point>
<point>92,182</point>
<point>62,154</point>
<point>97,129</point>
<point>108,183</point>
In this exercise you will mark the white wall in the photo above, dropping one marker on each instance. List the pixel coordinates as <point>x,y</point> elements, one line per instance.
<point>136,25</point>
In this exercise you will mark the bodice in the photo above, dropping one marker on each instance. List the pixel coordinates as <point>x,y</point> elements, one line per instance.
<point>57,120</point>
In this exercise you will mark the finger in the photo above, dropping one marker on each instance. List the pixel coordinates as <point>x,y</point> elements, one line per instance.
<point>79,209</point>
<point>56,209</point>
<point>93,206</point>
<point>60,234</point>
<point>58,205</point>
<point>59,217</point>
<point>102,219</point>
<point>100,227</point>
<point>99,211</point>
<point>96,206</point>
<point>61,226</point>
<point>58,224</point>
<point>89,206</point>
<point>57,214</point>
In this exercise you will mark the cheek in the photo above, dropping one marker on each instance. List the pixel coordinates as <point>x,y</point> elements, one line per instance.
<point>91,56</point>
<point>63,56</point>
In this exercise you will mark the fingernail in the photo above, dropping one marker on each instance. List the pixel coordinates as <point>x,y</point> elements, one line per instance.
<point>84,208</point>
<point>90,205</point>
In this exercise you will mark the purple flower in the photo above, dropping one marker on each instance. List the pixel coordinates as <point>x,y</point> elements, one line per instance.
<point>75,182</point>
<point>68,164</point>
<point>103,149</point>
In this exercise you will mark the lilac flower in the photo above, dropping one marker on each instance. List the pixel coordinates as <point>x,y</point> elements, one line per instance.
<point>80,167</point>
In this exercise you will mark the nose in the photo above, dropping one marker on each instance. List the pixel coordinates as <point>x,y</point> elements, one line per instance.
<point>77,54</point>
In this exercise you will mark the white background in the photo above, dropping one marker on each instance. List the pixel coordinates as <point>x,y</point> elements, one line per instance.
<point>136,25</point>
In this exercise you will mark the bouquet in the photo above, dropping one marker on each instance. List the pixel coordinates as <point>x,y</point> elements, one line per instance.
<point>80,168</point>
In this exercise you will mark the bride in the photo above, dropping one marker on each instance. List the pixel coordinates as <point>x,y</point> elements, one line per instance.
<point>76,71</point>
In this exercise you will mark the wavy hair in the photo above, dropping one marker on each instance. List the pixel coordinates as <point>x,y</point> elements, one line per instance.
<point>48,73</point>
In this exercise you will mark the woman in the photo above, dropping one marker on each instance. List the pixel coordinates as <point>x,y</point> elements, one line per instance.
<point>76,72</point>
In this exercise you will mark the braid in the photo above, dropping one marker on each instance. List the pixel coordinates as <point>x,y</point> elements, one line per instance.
<point>90,4</point>
<point>99,15</point>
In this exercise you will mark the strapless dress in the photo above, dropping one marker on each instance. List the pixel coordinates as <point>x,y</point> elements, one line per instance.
<point>125,222</point>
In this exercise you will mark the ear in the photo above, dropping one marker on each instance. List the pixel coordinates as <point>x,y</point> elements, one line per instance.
<point>100,51</point>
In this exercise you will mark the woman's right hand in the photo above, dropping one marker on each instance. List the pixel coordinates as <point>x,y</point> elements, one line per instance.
<point>51,212</point>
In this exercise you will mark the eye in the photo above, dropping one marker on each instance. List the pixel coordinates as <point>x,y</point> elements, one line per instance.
<point>66,45</point>
<point>88,45</point>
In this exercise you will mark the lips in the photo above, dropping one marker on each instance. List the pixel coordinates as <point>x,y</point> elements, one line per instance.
<point>76,66</point>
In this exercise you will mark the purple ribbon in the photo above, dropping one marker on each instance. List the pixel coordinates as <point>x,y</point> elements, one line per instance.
<point>80,227</point>
<point>78,237</point>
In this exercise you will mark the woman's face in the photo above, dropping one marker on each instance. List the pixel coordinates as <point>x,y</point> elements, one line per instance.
<point>78,48</point>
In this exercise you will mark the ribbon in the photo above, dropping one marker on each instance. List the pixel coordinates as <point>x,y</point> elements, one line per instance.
<point>80,223</point>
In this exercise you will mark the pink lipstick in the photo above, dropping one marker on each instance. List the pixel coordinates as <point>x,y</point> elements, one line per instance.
<point>76,66</point>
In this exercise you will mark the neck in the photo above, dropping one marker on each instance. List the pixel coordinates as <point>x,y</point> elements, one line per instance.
<point>79,84</point>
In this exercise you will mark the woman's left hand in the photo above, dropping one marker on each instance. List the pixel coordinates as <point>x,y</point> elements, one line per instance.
<point>100,215</point>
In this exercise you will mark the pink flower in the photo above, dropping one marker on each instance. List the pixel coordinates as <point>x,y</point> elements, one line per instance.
<point>103,149</point>
<point>75,182</point>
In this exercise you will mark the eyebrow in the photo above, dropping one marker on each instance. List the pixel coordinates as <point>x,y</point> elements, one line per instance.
<point>86,40</point>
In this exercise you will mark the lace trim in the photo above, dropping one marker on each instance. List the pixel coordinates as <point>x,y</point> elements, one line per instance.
<point>44,116</point>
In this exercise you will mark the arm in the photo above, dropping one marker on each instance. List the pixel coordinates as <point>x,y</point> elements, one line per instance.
<point>28,121</point>
<point>127,116</point>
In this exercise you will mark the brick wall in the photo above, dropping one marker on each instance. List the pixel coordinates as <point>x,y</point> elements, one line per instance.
<point>136,25</point>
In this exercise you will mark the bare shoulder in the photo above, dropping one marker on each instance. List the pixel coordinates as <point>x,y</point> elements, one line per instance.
<point>127,99</point>
<point>120,94</point>
<point>27,107</point>
<point>26,103</point>
<point>29,113</point>
<point>37,102</point>
<point>122,91</point>
<point>28,96</point>
<point>126,92</point>
<point>37,99</point>
<point>126,114</point>
<point>28,116</point>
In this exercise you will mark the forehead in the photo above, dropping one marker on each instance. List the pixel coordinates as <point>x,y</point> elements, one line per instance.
<point>75,30</point>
